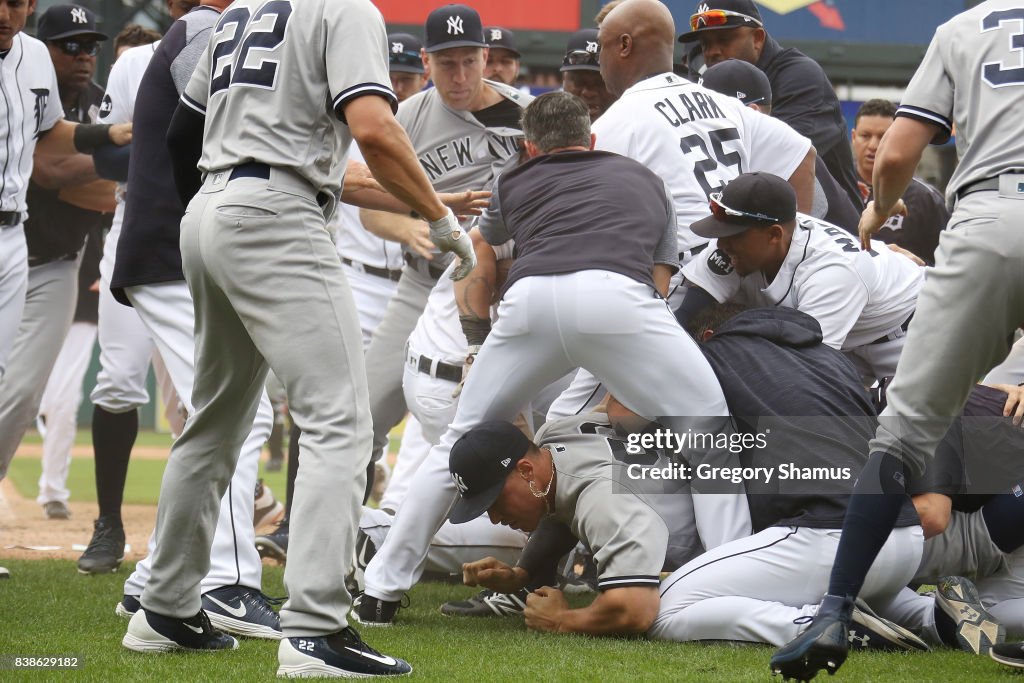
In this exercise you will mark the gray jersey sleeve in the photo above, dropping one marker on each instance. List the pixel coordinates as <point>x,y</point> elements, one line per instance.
<point>492,224</point>
<point>185,63</point>
<point>929,97</point>
<point>667,251</point>
<point>628,538</point>
<point>357,53</point>
<point>197,92</point>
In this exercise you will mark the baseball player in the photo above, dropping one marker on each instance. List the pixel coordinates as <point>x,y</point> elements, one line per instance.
<point>66,201</point>
<point>969,304</point>
<point>575,477</point>
<point>694,139</point>
<point>577,278</point>
<point>502,55</point>
<point>918,231</point>
<point>763,253</point>
<point>749,85</point>
<point>147,275</point>
<point>581,72</point>
<point>465,131</point>
<point>268,291</point>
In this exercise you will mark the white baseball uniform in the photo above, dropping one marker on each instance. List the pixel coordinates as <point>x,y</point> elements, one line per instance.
<point>861,299</point>
<point>30,105</point>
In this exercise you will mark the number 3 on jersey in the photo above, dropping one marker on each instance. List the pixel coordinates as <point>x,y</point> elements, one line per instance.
<point>236,36</point>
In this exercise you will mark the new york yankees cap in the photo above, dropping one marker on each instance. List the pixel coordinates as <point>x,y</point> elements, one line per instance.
<point>582,52</point>
<point>65,21</point>
<point>739,79</point>
<point>737,13</point>
<point>404,53</point>
<point>454,26</point>
<point>501,38</point>
<point>480,462</point>
<point>748,201</point>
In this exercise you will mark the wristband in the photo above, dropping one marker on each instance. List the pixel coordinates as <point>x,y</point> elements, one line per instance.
<point>89,136</point>
<point>475,329</point>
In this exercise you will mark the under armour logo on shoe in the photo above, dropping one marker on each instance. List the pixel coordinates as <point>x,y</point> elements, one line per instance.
<point>397,48</point>
<point>455,26</point>
<point>495,34</point>
<point>862,640</point>
<point>78,15</point>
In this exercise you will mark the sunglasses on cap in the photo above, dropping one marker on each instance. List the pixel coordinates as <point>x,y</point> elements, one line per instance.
<point>723,212</point>
<point>583,58</point>
<point>406,58</point>
<point>73,48</point>
<point>717,17</point>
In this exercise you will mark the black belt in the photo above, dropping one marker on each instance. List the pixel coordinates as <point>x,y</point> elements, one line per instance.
<point>452,373</point>
<point>9,219</point>
<point>253,169</point>
<point>889,337</point>
<point>393,275</point>
<point>415,261</point>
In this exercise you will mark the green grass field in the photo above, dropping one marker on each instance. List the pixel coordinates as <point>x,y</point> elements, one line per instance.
<point>51,610</point>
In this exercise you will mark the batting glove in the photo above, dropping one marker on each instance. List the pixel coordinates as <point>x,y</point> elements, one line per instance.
<point>448,235</point>
<point>466,365</point>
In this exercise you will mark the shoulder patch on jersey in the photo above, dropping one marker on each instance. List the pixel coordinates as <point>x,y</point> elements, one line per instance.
<point>106,106</point>
<point>719,263</point>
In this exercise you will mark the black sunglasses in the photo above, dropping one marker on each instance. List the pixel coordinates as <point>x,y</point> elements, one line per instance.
<point>73,48</point>
<point>406,58</point>
<point>582,58</point>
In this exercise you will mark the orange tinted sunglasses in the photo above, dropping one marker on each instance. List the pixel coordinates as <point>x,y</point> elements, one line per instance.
<point>717,17</point>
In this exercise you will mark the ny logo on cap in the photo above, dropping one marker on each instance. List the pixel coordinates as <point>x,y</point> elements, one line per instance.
<point>495,34</point>
<point>592,46</point>
<point>455,26</point>
<point>78,15</point>
<point>397,48</point>
<point>459,484</point>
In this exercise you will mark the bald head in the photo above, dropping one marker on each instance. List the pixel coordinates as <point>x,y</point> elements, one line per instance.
<point>637,40</point>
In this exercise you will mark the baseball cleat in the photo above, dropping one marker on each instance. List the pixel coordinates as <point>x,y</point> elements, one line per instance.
<point>868,631</point>
<point>1010,654</point>
<point>275,544</point>
<point>267,510</point>
<point>340,655</point>
<point>242,611</point>
<point>128,606</point>
<point>153,633</point>
<point>355,582</point>
<point>56,509</point>
<point>370,611</point>
<point>958,610</point>
<point>105,551</point>
<point>488,603</point>
<point>823,645</point>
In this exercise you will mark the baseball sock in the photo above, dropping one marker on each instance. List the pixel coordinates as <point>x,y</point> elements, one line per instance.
<point>113,435</point>
<point>878,496</point>
<point>293,469</point>
<point>1004,517</point>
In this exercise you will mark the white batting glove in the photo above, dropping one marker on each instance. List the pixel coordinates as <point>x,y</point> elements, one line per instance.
<point>448,235</point>
<point>466,365</point>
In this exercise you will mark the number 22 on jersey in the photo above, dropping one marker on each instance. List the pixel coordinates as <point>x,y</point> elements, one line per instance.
<point>239,33</point>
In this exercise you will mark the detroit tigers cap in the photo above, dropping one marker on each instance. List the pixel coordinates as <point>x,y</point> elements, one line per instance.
<point>404,53</point>
<point>454,26</point>
<point>712,15</point>
<point>739,79</point>
<point>501,38</point>
<point>480,462</point>
<point>582,53</point>
<point>65,21</point>
<point>750,200</point>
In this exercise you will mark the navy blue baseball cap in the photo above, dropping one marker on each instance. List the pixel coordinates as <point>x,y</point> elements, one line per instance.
<point>454,26</point>
<point>66,21</point>
<point>480,462</point>
<point>715,15</point>
<point>739,79</point>
<point>750,200</point>
<point>583,52</point>
<point>404,53</point>
<point>501,38</point>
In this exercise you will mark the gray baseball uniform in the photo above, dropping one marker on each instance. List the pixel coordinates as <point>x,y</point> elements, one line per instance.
<point>459,150</point>
<point>971,301</point>
<point>269,291</point>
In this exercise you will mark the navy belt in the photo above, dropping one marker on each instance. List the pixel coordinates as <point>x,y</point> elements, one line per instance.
<point>9,219</point>
<point>393,275</point>
<point>889,337</point>
<point>253,169</point>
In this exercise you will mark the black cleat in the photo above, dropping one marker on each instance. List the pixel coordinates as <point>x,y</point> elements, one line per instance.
<point>339,655</point>
<point>958,610</point>
<point>824,645</point>
<point>868,631</point>
<point>488,603</point>
<point>275,544</point>
<point>128,606</point>
<point>151,632</point>
<point>105,551</point>
<point>242,611</point>
<point>370,611</point>
<point>1010,654</point>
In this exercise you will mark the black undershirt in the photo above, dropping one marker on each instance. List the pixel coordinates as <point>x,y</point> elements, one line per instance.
<point>505,113</point>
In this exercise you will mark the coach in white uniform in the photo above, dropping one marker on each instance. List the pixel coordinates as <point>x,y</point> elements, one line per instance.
<point>763,253</point>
